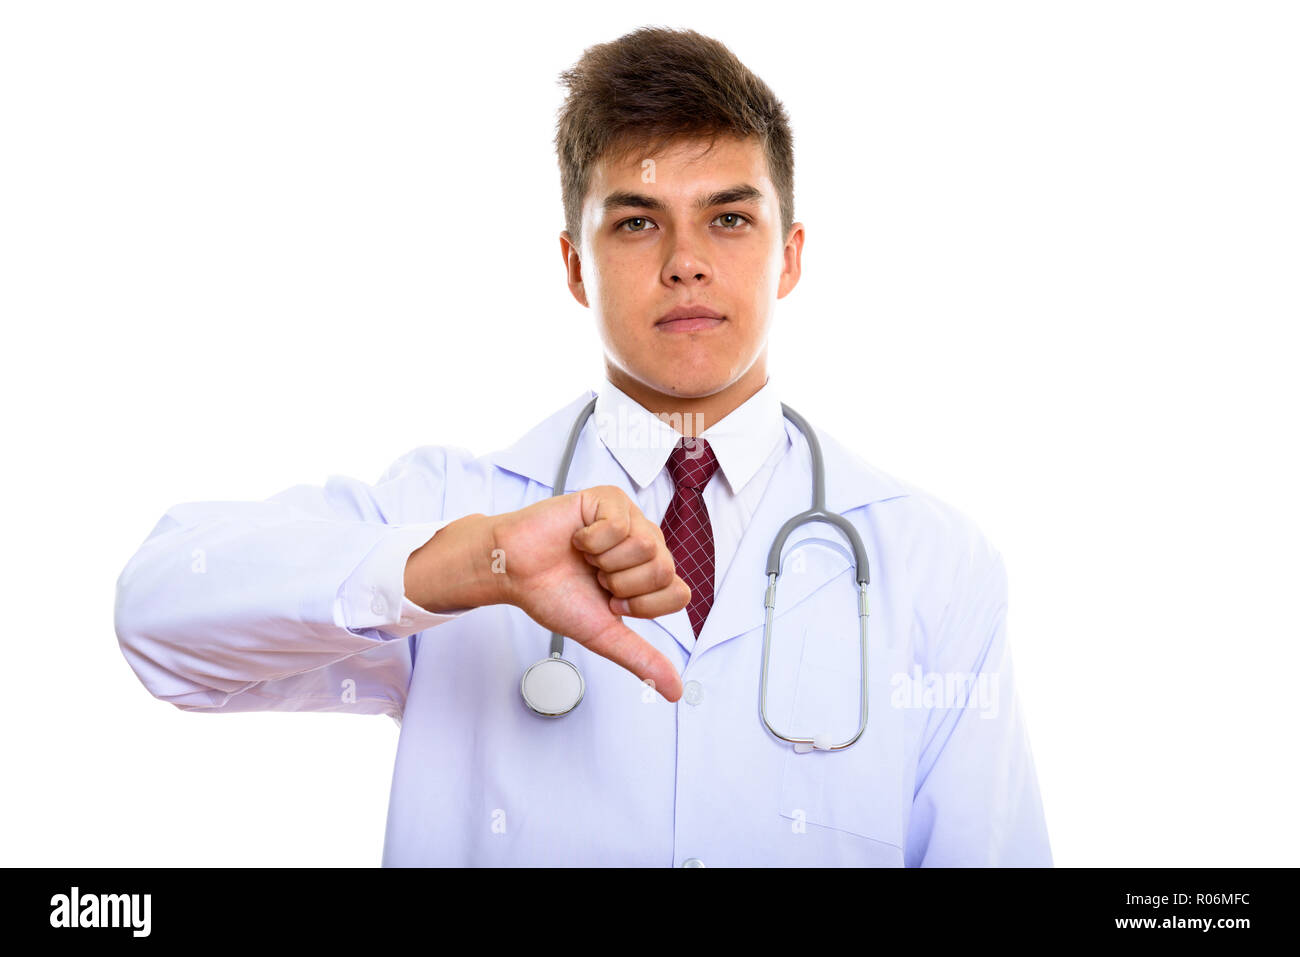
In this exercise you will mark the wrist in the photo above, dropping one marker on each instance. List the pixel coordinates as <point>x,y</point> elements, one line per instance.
<point>497,582</point>
<point>455,569</point>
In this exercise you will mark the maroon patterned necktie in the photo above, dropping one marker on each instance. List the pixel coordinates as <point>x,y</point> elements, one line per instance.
<point>688,533</point>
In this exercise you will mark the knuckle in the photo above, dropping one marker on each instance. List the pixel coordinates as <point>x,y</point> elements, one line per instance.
<point>623,519</point>
<point>647,546</point>
<point>664,573</point>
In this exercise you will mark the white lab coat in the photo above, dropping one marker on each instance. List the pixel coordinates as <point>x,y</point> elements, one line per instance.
<point>236,607</point>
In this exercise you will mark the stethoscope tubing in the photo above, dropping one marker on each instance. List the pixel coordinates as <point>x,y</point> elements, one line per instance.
<point>817,513</point>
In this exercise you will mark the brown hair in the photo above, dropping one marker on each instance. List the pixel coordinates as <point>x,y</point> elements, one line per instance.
<point>653,86</point>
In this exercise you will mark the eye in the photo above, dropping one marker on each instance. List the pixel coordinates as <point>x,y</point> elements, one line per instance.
<point>734,216</point>
<point>634,219</point>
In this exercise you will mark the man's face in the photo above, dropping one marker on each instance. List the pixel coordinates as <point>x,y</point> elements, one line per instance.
<point>687,227</point>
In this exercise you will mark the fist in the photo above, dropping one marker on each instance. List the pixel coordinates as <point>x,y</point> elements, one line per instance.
<point>578,563</point>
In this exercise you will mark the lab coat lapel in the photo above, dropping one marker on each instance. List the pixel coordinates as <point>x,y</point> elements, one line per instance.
<point>538,452</point>
<point>738,602</point>
<point>738,598</point>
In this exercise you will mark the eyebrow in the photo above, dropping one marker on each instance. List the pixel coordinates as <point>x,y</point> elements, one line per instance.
<point>741,193</point>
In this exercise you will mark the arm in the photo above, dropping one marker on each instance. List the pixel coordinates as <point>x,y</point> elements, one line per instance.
<point>296,603</point>
<point>976,800</point>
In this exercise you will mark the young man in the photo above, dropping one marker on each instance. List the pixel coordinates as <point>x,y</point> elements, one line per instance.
<point>429,595</point>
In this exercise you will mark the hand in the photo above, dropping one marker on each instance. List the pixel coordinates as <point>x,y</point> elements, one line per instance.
<point>571,559</point>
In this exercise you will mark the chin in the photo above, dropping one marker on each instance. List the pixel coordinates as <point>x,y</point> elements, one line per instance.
<point>687,384</point>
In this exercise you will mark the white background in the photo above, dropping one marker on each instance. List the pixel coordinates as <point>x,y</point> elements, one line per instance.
<point>1050,276</point>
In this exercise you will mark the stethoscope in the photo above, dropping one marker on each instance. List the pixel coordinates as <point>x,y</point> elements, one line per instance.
<point>554,686</point>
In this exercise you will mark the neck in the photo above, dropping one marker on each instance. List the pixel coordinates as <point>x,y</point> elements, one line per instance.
<point>691,415</point>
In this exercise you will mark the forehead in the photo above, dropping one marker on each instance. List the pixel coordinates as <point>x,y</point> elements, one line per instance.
<point>682,168</point>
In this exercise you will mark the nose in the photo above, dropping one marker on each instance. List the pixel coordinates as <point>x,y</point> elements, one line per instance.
<point>685,265</point>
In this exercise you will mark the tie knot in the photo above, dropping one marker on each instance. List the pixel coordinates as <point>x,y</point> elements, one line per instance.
<point>692,463</point>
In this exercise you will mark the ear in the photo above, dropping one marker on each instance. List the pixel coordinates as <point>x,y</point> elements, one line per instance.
<point>792,256</point>
<point>572,267</point>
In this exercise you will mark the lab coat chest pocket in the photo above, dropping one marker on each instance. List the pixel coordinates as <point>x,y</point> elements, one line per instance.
<point>860,789</point>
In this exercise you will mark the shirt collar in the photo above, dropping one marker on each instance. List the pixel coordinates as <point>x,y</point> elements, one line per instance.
<point>850,482</point>
<point>641,440</point>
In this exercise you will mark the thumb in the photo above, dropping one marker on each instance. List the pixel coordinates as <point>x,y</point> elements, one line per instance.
<point>623,646</point>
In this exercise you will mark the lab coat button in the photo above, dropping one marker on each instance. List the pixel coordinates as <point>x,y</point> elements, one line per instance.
<point>693,693</point>
<point>692,862</point>
<point>378,605</point>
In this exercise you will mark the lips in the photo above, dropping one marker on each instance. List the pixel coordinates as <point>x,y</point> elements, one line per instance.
<point>689,324</point>
<point>690,318</point>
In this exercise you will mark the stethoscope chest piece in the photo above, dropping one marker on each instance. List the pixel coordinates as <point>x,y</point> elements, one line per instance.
<point>552,687</point>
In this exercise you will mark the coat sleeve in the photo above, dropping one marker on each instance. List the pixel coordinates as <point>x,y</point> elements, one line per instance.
<point>295,603</point>
<point>976,799</point>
